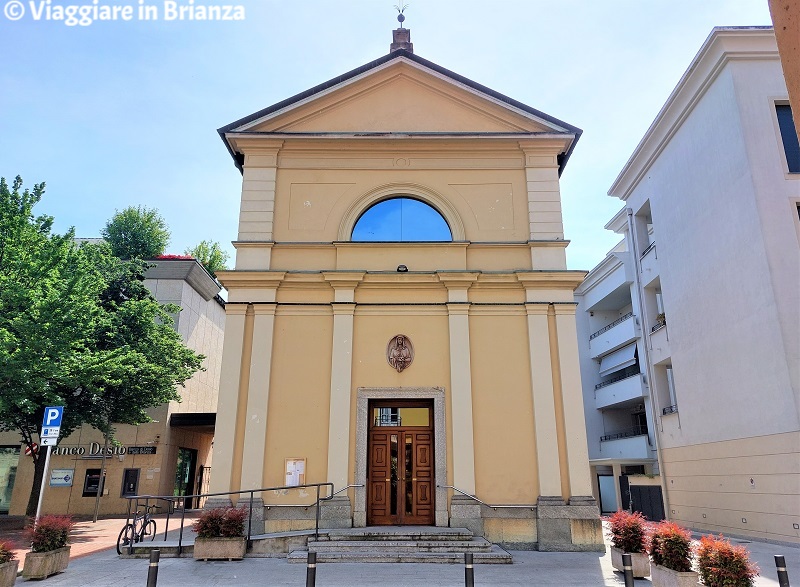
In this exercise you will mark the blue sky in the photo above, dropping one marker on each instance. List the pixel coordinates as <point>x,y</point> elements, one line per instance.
<point>125,113</point>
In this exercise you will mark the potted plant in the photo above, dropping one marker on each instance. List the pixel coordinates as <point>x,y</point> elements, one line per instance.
<point>49,549</point>
<point>628,536</point>
<point>220,534</point>
<point>670,548</point>
<point>8,564</point>
<point>721,564</point>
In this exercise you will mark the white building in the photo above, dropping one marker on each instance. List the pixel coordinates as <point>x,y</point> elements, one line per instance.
<point>689,330</point>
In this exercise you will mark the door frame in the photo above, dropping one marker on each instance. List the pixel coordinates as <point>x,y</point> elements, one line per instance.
<point>363,396</point>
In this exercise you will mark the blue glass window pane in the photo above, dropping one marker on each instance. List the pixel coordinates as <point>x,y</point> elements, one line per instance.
<point>401,220</point>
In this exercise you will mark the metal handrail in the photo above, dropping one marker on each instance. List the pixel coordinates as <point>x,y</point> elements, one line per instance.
<point>608,327</point>
<point>614,380</point>
<point>650,247</point>
<point>629,433</point>
<point>308,505</point>
<point>488,505</point>
<point>252,492</point>
<point>673,409</point>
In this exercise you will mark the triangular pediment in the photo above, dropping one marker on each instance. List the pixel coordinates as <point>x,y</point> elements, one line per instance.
<point>402,96</point>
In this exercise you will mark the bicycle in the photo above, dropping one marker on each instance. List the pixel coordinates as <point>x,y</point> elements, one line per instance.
<point>143,525</point>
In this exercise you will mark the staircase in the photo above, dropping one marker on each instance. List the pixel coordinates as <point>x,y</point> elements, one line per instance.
<point>400,544</point>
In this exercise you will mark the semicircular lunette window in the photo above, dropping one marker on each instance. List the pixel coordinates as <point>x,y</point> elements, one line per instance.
<point>401,220</point>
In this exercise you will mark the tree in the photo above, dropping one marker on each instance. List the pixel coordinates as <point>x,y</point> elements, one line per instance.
<point>137,233</point>
<point>47,307</point>
<point>210,255</point>
<point>78,328</point>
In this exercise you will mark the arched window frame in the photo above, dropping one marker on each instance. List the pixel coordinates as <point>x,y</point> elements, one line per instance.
<point>387,192</point>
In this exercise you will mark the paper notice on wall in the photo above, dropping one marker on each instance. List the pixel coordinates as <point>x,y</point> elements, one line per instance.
<point>295,472</point>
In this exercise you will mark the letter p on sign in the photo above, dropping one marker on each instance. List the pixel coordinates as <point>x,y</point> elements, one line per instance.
<point>52,416</point>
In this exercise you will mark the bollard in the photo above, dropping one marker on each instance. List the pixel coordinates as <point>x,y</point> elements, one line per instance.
<point>627,566</point>
<point>469,570</point>
<point>311,570</point>
<point>152,570</point>
<point>783,575</point>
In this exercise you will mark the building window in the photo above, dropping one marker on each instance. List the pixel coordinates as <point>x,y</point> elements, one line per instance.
<point>791,145</point>
<point>401,220</point>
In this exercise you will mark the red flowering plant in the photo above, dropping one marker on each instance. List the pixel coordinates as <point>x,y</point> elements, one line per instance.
<point>670,546</point>
<point>628,531</point>
<point>721,564</point>
<point>49,533</point>
<point>221,523</point>
<point>6,551</point>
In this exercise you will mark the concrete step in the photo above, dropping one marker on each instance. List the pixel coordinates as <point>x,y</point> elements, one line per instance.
<point>496,555</point>
<point>376,533</point>
<point>475,545</point>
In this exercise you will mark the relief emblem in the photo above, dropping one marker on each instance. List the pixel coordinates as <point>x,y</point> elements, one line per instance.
<point>399,352</point>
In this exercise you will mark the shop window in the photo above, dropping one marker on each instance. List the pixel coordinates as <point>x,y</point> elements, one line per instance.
<point>9,458</point>
<point>91,483</point>
<point>401,220</point>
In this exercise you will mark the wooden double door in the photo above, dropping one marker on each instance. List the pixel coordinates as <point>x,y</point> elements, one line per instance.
<point>400,469</point>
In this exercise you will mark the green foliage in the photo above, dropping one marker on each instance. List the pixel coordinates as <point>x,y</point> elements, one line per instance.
<point>628,531</point>
<point>137,233</point>
<point>47,308</point>
<point>221,523</point>
<point>49,533</point>
<point>78,328</point>
<point>210,255</point>
<point>6,552</point>
<point>721,564</point>
<point>670,546</point>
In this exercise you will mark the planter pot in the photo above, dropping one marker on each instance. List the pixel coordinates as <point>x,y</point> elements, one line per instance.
<point>220,548</point>
<point>664,577</point>
<point>639,560</point>
<point>40,565</point>
<point>8,573</point>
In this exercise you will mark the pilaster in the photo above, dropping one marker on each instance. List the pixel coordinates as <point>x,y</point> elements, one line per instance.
<point>228,402</point>
<point>344,308</point>
<point>461,379</point>
<point>544,410</point>
<point>257,209</point>
<point>255,435</point>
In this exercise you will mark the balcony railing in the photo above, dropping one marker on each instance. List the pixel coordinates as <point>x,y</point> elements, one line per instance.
<point>612,325</point>
<point>629,433</point>
<point>669,410</point>
<point>614,380</point>
<point>649,248</point>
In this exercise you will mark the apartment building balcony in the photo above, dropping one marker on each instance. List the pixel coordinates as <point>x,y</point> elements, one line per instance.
<point>649,265</point>
<point>659,344</point>
<point>626,444</point>
<point>618,391</point>
<point>613,336</point>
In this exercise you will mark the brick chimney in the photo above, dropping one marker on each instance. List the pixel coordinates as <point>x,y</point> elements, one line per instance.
<point>401,39</point>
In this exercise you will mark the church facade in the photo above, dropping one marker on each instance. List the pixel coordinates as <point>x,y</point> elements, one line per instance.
<point>400,319</point>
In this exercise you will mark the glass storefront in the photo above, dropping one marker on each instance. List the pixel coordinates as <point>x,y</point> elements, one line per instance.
<point>9,458</point>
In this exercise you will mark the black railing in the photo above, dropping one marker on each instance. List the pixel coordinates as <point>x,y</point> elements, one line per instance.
<point>135,505</point>
<point>614,380</point>
<point>619,320</point>
<point>649,248</point>
<point>673,409</point>
<point>658,326</point>
<point>629,433</point>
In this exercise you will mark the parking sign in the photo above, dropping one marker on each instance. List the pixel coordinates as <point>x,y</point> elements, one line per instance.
<point>52,417</point>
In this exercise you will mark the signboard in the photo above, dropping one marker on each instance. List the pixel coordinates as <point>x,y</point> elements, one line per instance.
<point>51,425</point>
<point>141,450</point>
<point>295,472</point>
<point>62,477</point>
